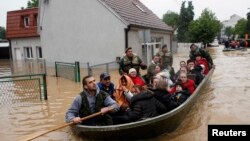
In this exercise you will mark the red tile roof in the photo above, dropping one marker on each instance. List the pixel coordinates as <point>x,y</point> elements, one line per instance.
<point>137,14</point>
<point>15,23</point>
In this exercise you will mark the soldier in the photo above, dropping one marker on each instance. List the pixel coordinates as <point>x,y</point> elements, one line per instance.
<point>166,59</point>
<point>130,60</point>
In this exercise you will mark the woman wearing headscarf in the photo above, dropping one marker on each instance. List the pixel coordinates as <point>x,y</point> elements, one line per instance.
<point>123,92</point>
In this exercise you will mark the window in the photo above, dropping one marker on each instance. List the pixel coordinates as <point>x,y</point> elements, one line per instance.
<point>28,53</point>
<point>39,53</point>
<point>139,7</point>
<point>26,21</point>
<point>35,20</point>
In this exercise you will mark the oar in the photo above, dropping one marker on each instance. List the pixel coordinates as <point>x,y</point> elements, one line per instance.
<point>34,136</point>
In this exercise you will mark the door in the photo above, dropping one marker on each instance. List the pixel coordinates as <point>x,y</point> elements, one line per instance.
<point>18,54</point>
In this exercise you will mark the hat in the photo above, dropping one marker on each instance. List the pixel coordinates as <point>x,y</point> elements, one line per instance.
<point>104,75</point>
<point>126,50</point>
<point>131,70</point>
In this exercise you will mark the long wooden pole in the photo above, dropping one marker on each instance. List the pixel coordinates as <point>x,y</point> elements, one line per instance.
<point>34,136</point>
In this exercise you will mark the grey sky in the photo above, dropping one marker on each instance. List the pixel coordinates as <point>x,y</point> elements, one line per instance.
<point>223,9</point>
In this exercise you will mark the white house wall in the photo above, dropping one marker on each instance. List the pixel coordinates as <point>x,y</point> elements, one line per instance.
<point>136,44</point>
<point>20,43</point>
<point>80,30</point>
<point>166,37</point>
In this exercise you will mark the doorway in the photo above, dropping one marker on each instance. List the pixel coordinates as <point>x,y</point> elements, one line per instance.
<point>18,54</point>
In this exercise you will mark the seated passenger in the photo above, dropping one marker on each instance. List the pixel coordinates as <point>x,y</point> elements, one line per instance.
<point>136,79</point>
<point>195,70</point>
<point>163,73</point>
<point>199,60</point>
<point>186,84</point>
<point>106,85</point>
<point>182,70</point>
<point>89,101</point>
<point>180,95</point>
<point>125,85</point>
<point>144,105</point>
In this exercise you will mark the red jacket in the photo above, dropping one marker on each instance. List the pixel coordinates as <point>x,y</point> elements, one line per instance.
<point>137,81</point>
<point>189,85</point>
<point>204,62</point>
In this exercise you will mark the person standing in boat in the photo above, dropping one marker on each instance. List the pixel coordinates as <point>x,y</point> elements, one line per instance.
<point>151,69</point>
<point>194,50</point>
<point>131,60</point>
<point>166,59</point>
<point>89,101</point>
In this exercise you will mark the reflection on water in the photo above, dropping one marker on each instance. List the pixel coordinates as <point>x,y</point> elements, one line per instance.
<point>223,101</point>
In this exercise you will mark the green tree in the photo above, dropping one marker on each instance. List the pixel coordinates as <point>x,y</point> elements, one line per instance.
<point>2,33</point>
<point>228,31</point>
<point>171,18</point>
<point>205,28</point>
<point>185,18</point>
<point>240,27</point>
<point>32,3</point>
<point>248,24</point>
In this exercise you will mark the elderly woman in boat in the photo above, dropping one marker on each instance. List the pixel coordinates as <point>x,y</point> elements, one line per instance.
<point>123,92</point>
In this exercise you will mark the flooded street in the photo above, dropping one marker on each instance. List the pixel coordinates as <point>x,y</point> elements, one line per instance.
<point>225,100</point>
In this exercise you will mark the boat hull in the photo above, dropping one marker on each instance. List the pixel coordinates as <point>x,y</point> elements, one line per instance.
<point>144,129</point>
<point>234,49</point>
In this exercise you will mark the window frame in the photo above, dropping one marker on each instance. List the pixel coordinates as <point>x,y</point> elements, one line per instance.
<point>28,52</point>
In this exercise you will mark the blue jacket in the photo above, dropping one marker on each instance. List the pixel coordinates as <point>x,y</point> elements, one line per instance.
<point>110,89</point>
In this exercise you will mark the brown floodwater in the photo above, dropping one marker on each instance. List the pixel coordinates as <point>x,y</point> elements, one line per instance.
<point>225,100</point>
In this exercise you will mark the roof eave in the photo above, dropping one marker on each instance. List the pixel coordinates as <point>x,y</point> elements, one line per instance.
<point>113,12</point>
<point>158,29</point>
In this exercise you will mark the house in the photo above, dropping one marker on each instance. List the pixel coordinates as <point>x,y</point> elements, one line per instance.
<point>98,31</point>
<point>21,31</point>
<point>229,23</point>
<point>94,31</point>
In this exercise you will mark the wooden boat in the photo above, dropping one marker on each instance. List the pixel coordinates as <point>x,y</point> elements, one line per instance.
<point>144,129</point>
<point>234,49</point>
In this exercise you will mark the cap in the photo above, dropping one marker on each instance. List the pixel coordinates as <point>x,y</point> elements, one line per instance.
<point>104,75</point>
<point>131,70</point>
<point>126,50</point>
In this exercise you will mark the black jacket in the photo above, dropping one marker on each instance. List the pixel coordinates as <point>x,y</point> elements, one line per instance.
<point>198,76</point>
<point>144,105</point>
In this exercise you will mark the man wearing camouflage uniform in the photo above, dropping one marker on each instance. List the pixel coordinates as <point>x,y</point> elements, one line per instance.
<point>166,59</point>
<point>130,60</point>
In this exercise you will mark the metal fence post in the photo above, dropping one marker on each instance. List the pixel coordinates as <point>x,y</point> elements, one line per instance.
<point>89,69</point>
<point>45,87</point>
<point>45,67</point>
<point>56,69</point>
<point>107,67</point>
<point>77,71</point>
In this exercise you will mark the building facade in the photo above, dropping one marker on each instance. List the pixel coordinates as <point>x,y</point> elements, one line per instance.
<point>21,31</point>
<point>98,31</point>
<point>229,23</point>
<point>94,31</point>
